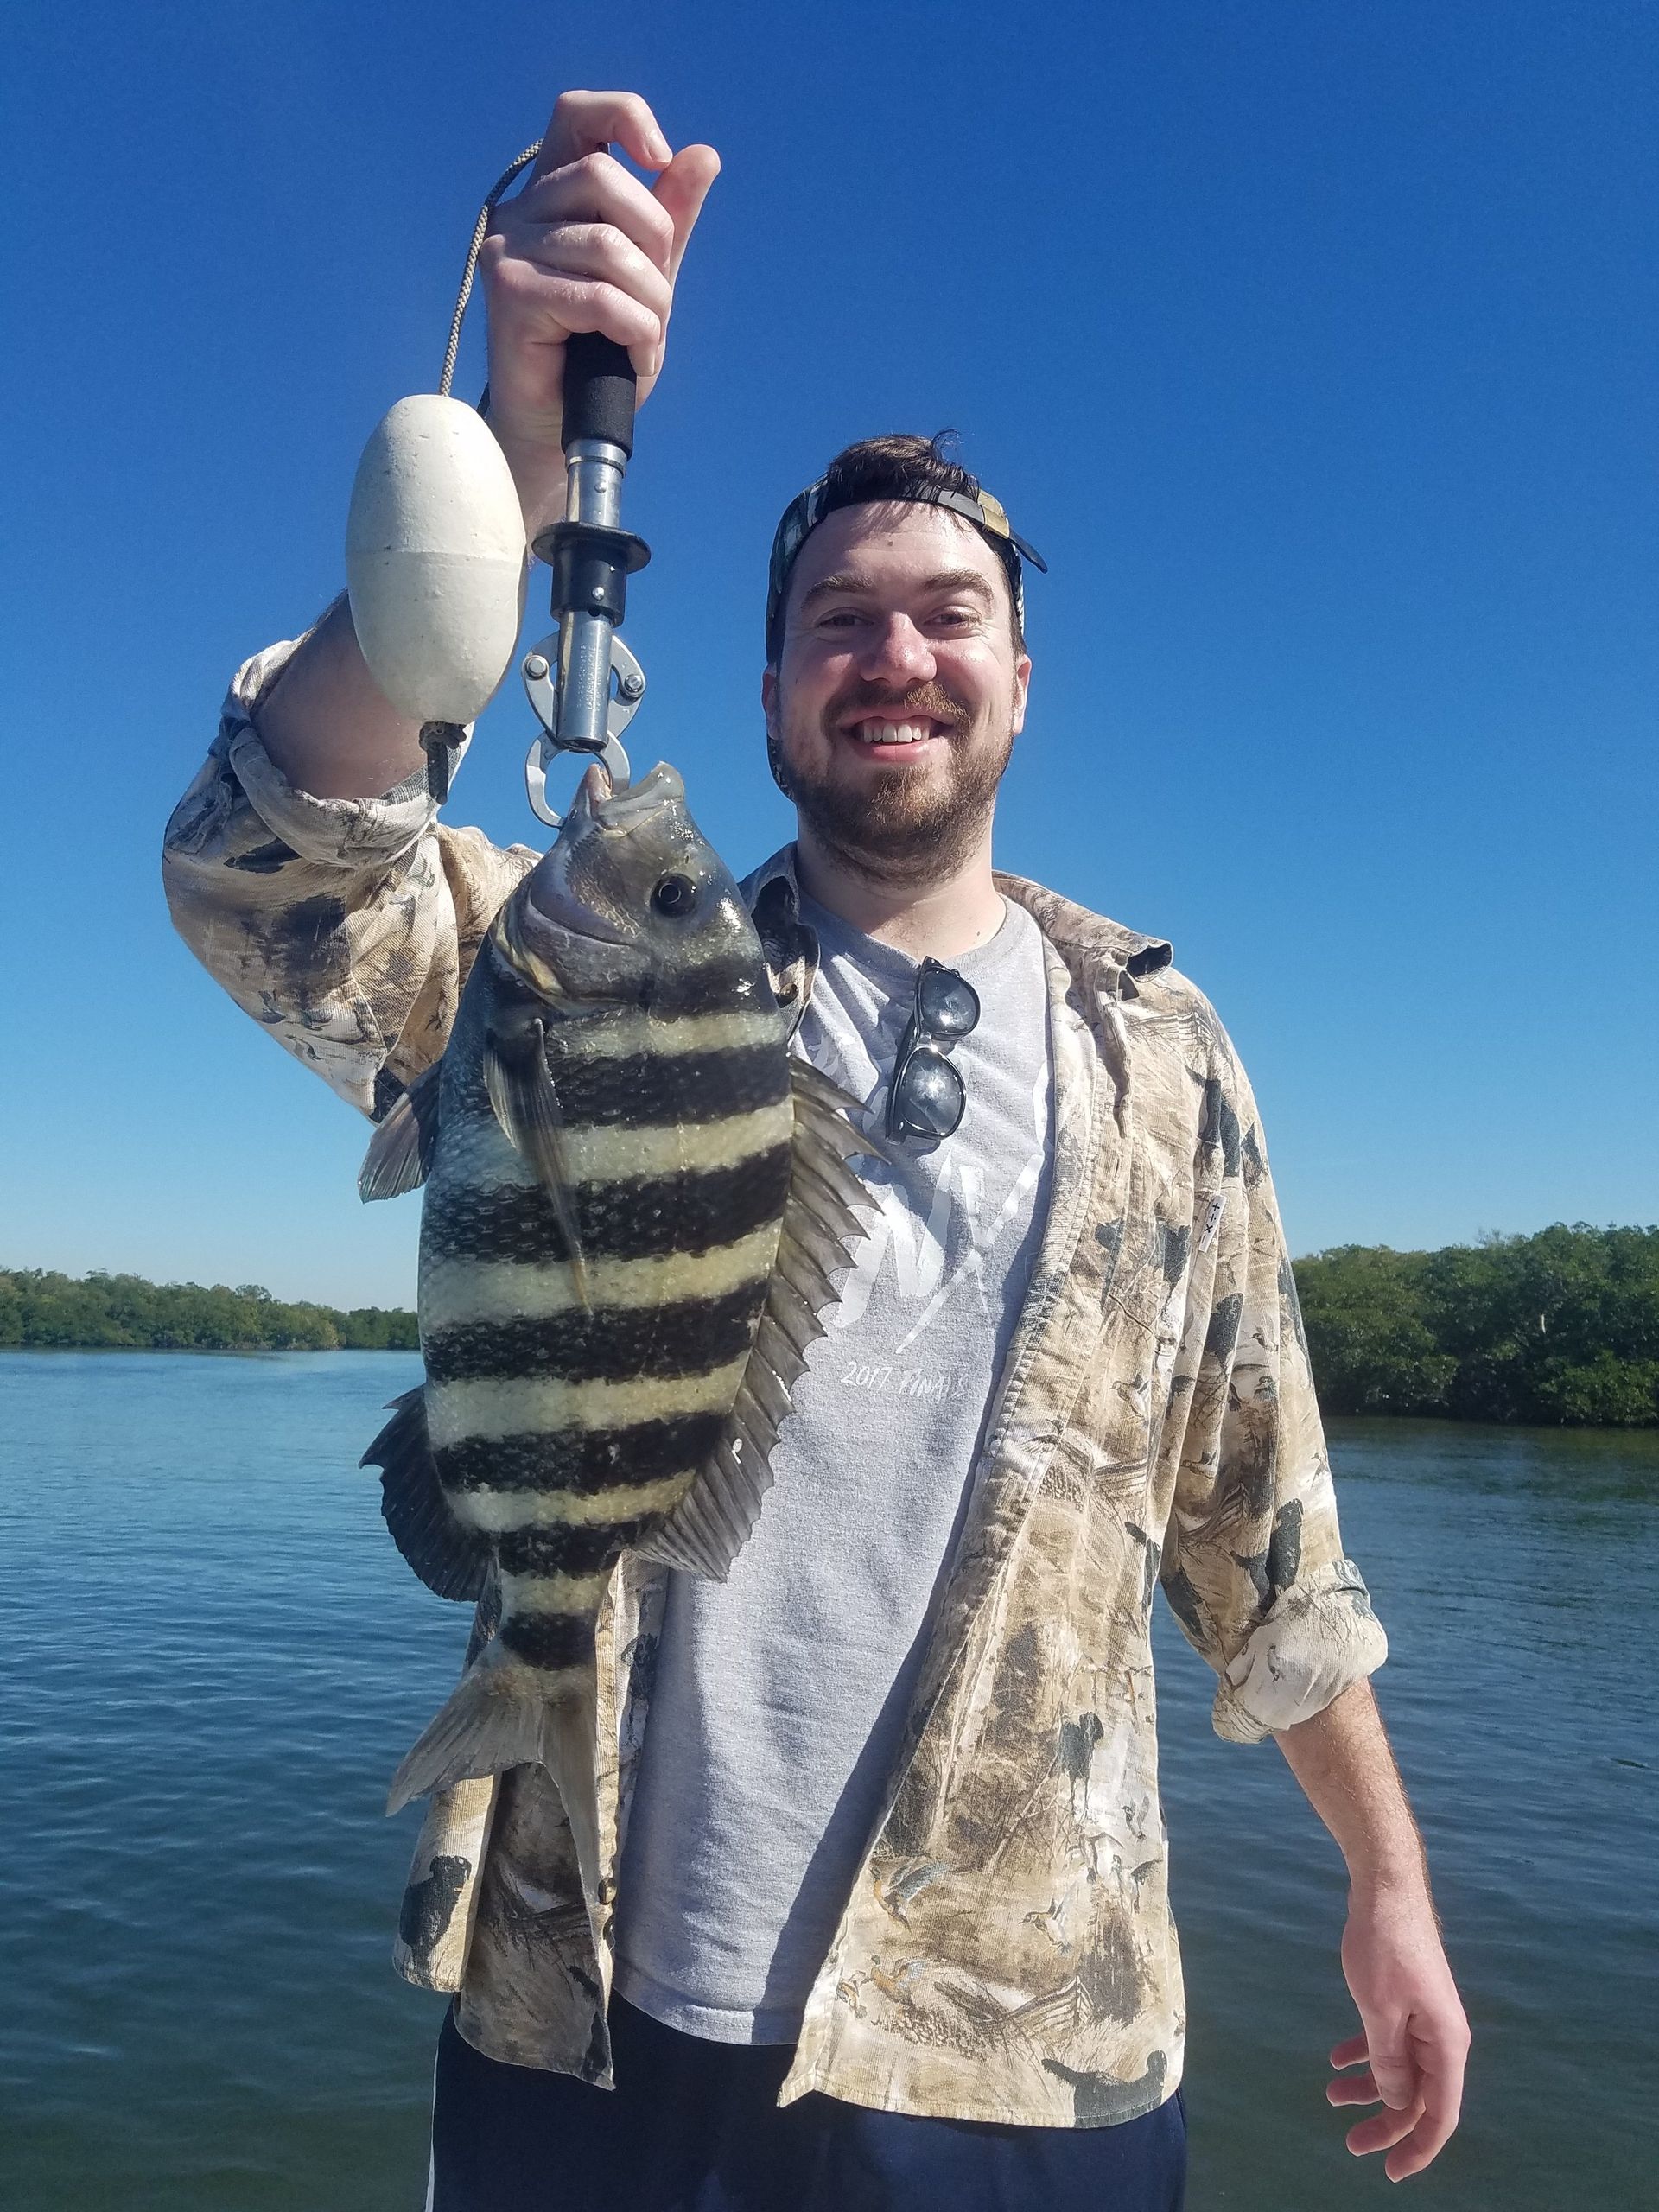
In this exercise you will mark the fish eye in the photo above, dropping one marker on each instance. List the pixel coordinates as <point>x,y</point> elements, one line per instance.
<point>675,895</point>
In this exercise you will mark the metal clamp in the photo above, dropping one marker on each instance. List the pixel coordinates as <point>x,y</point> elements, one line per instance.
<point>628,680</point>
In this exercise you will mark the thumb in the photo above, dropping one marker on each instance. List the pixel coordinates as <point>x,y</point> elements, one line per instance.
<point>1394,2074</point>
<point>680,191</point>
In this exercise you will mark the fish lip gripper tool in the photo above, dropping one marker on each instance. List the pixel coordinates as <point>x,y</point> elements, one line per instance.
<point>583,684</point>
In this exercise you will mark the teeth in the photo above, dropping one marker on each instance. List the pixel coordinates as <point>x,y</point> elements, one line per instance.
<point>892,732</point>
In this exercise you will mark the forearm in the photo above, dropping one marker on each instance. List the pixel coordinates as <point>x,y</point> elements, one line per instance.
<point>344,927</point>
<point>1346,1766</point>
<point>327,724</point>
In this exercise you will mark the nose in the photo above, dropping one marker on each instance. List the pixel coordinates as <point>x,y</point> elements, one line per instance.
<point>897,653</point>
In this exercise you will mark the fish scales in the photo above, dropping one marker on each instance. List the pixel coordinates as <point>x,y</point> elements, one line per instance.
<point>634,1201</point>
<point>557,1403</point>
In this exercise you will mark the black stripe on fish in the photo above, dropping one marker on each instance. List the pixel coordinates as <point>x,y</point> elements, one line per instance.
<point>611,1344</point>
<point>569,1547</point>
<point>550,1640</point>
<point>585,1460</point>
<point>727,986</point>
<point>634,1217</point>
<point>656,1089</point>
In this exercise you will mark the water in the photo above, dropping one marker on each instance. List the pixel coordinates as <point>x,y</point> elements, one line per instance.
<point>214,1660</point>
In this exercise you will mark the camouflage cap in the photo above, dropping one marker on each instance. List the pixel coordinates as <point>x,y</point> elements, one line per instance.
<point>808,509</point>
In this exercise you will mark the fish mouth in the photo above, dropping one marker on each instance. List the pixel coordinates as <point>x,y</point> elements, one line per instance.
<point>598,810</point>
<point>599,805</point>
<point>567,932</point>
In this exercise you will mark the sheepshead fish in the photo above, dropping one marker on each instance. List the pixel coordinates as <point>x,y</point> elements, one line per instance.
<point>635,1199</point>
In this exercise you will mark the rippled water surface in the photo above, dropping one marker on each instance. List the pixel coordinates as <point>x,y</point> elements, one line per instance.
<point>214,1660</point>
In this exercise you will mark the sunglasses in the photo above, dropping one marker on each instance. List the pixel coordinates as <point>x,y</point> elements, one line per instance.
<point>927,1098</point>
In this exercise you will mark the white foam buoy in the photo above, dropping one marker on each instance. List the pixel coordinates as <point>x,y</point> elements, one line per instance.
<point>436,559</point>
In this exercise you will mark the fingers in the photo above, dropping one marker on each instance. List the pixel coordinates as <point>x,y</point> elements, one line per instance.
<point>533,305</point>
<point>1396,2076</point>
<point>599,251</point>
<point>1423,2146</point>
<point>584,249</point>
<point>594,190</point>
<point>1413,2129</point>
<point>586,122</point>
<point>1386,2046</point>
<point>1383,2130</point>
<point>680,191</point>
<point>588,247</point>
<point>1356,2089</point>
<point>1444,2058</point>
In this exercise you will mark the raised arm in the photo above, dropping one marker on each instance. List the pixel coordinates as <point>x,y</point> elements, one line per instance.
<point>306,866</point>
<point>584,246</point>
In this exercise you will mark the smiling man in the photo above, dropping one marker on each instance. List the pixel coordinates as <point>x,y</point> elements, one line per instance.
<point>890,1921</point>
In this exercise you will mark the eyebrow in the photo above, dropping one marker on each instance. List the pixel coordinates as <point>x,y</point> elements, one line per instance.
<point>849,585</point>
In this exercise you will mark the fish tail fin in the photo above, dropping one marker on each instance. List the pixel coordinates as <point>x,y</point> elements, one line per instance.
<point>505,1712</point>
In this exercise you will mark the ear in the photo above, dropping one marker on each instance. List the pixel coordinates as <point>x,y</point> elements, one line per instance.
<point>1021,691</point>
<point>769,699</point>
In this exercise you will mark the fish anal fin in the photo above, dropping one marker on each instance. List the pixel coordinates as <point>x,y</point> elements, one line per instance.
<point>399,1157</point>
<point>449,1558</point>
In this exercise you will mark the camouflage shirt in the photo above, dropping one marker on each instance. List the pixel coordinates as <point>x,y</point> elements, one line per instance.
<point>1007,1952</point>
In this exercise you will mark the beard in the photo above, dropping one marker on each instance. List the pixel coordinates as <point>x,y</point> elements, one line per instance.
<point>902,826</point>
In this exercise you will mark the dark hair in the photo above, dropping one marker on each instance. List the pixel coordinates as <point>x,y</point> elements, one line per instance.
<point>904,466</point>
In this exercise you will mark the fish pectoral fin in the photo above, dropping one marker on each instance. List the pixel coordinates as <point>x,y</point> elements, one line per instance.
<point>503,1713</point>
<point>399,1157</point>
<point>711,1524</point>
<point>526,1104</point>
<point>449,1558</point>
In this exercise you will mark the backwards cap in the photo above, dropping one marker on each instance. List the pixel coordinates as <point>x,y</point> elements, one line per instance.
<point>808,509</point>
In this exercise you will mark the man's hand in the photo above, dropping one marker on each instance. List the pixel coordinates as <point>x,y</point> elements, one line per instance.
<point>584,246</point>
<point>1415,2038</point>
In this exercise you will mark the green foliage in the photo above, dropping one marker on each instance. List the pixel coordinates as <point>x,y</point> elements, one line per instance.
<point>1562,1327</point>
<point>41,1309</point>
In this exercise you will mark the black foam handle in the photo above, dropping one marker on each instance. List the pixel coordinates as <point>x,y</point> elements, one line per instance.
<point>599,383</point>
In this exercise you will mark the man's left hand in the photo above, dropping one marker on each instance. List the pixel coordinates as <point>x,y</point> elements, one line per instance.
<point>1415,2038</point>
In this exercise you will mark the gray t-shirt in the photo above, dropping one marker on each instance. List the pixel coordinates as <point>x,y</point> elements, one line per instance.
<point>780,1694</point>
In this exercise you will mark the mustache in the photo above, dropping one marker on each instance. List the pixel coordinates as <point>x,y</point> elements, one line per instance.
<point>916,702</point>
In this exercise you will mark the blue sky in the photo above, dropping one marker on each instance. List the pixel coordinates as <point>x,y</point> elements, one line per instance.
<point>1314,345</point>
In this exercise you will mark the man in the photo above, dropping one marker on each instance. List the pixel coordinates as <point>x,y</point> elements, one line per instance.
<point>889,1920</point>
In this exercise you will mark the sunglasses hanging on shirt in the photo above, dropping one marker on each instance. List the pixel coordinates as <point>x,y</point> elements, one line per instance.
<point>927,1098</point>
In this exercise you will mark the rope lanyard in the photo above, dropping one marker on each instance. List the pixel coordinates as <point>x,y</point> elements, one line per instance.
<point>480,231</point>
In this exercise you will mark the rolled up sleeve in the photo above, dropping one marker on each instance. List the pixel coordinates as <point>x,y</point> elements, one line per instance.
<point>343,927</point>
<point>1253,1564</point>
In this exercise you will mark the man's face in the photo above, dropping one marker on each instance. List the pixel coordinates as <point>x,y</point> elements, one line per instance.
<point>898,693</point>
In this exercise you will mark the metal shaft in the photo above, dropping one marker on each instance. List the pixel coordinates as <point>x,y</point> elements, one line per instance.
<point>594,495</point>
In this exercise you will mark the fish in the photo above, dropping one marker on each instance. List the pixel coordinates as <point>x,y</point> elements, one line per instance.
<point>637,1200</point>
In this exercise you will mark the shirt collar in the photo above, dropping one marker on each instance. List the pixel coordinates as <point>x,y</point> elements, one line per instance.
<point>1100,952</point>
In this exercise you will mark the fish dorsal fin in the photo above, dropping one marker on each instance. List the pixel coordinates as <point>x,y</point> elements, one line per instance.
<point>526,1105</point>
<point>399,1157</point>
<point>449,1558</point>
<point>710,1526</point>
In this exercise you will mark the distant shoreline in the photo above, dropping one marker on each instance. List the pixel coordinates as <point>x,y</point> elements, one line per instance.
<point>1559,1330</point>
<point>226,1352</point>
<point>43,1311</point>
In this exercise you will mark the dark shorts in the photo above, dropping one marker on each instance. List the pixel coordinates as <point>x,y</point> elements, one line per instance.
<point>694,2126</point>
